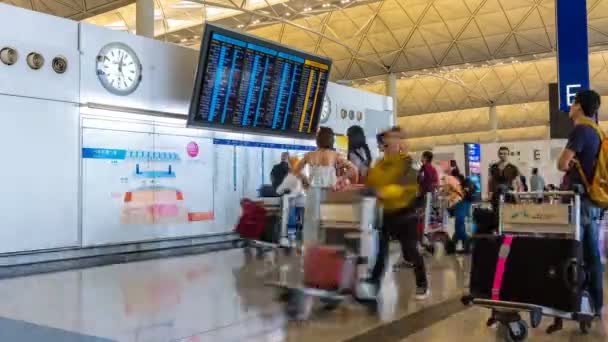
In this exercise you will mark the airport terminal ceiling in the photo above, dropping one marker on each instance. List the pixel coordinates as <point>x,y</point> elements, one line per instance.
<point>450,56</point>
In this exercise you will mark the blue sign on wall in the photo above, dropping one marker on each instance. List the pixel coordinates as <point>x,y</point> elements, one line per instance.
<point>472,161</point>
<point>572,50</point>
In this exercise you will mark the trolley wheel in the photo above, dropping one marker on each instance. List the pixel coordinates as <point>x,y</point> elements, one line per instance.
<point>372,306</point>
<point>558,324</point>
<point>439,248</point>
<point>585,326</point>
<point>283,295</point>
<point>299,305</point>
<point>513,331</point>
<point>288,251</point>
<point>330,304</point>
<point>430,248</point>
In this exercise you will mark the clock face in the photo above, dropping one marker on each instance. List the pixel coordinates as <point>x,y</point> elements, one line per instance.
<point>118,69</point>
<point>326,110</point>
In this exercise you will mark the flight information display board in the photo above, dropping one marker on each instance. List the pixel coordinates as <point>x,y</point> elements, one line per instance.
<point>251,85</point>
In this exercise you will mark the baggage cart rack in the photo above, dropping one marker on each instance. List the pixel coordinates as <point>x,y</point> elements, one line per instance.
<point>526,216</point>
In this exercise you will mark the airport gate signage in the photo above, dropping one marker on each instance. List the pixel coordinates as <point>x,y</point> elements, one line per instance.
<point>472,161</point>
<point>572,50</point>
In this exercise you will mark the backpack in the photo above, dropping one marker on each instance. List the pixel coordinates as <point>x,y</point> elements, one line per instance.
<point>598,187</point>
<point>469,188</point>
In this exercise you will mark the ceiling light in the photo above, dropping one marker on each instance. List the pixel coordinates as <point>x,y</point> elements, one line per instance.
<point>175,23</point>
<point>326,5</point>
<point>186,4</point>
<point>241,26</point>
<point>344,1</point>
<point>287,14</point>
<point>158,15</point>
<point>307,9</point>
<point>255,22</point>
<point>183,40</point>
<point>117,25</point>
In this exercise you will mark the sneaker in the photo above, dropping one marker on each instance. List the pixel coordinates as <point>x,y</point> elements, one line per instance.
<point>422,293</point>
<point>402,264</point>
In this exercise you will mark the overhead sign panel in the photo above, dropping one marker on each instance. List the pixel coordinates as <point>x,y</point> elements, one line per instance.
<point>251,85</point>
<point>572,50</point>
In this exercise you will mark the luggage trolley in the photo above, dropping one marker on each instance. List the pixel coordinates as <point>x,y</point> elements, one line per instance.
<point>548,224</point>
<point>432,229</point>
<point>277,216</point>
<point>347,221</point>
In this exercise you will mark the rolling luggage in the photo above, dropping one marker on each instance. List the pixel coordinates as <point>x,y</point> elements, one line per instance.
<point>485,221</point>
<point>533,270</point>
<point>252,222</point>
<point>323,267</point>
<point>272,229</point>
<point>534,265</point>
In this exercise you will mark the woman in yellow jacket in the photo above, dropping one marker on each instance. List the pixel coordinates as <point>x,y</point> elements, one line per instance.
<point>395,181</point>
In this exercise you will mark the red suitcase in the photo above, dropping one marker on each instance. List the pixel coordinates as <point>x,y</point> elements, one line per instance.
<point>323,267</point>
<point>253,220</point>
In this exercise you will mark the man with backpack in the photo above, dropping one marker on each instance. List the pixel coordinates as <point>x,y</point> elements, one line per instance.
<point>585,164</point>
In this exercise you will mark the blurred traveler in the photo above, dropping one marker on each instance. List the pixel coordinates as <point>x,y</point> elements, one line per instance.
<point>582,148</point>
<point>428,179</point>
<point>358,151</point>
<point>454,170</point>
<point>502,173</point>
<point>537,182</point>
<point>280,171</point>
<point>323,164</point>
<point>394,180</point>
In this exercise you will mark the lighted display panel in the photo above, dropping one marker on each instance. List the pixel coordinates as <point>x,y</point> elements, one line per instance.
<point>251,85</point>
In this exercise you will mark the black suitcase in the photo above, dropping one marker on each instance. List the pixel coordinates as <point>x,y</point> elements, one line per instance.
<point>272,229</point>
<point>543,271</point>
<point>267,191</point>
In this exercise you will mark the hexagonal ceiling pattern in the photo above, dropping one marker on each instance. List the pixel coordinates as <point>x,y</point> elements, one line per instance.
<point>501,83</point>
<point>364,38</point>
<point>451,56</point>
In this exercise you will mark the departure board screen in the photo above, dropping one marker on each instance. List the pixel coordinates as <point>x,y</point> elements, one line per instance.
<point>248,84</point>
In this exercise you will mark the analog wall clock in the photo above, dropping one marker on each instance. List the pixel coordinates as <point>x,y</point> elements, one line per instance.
<point>118,69</point>
<point>326,110</point>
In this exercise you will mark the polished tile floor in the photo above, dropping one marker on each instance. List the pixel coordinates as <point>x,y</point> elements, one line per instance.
<point>213,297</point>
<point>222,297</point>
<point>471,327</point>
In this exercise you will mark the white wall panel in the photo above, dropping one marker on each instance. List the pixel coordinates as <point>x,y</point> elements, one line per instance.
<point>227,186</point>
<point>250,170</point>
<point>39,207</point>
<point>167,72</point>
<point>355,100</point>
<point>160,188</point>
<point>59,37</point>
<point>524,154</point>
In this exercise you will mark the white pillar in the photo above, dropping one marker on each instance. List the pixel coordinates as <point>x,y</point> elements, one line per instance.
<point>144,18</point>
<point>493,122</point>
<point>391,90</point>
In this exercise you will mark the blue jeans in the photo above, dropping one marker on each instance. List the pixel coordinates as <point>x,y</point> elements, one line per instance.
<point>591,252</point>
<point>461,212</point>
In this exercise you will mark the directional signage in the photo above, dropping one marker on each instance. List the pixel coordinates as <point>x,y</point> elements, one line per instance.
<point>572,50</point>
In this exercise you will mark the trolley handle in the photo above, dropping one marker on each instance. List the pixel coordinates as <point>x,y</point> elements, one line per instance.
<point>578,190</point>
<point>543,193</point>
